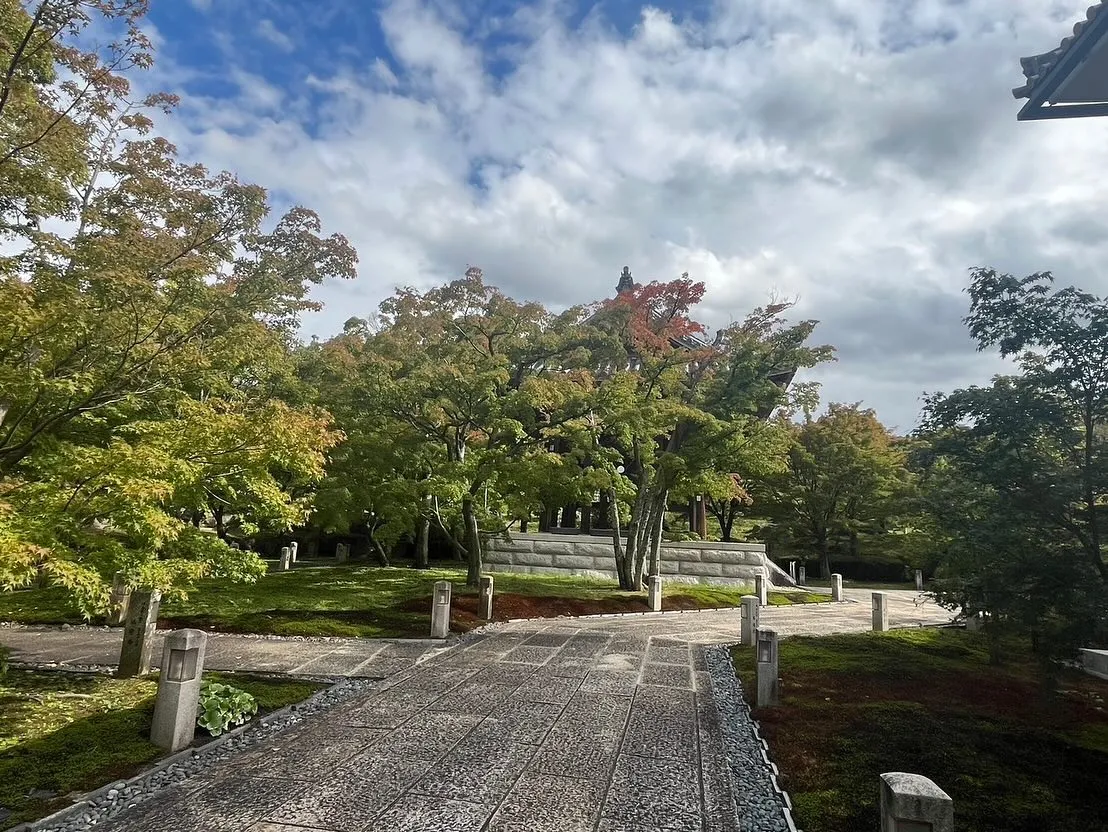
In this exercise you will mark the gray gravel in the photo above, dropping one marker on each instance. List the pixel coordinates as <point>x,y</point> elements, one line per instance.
<point>761,806</point>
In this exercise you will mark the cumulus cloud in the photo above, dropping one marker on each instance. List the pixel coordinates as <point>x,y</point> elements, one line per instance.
<point>858,155</point>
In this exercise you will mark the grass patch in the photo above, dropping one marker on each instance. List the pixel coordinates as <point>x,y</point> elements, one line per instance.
<point>64,733</point>
<point>375,602</point>
<point>1015,752</point>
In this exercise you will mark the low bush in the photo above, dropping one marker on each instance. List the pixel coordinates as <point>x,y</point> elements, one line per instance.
<point>224,706</point>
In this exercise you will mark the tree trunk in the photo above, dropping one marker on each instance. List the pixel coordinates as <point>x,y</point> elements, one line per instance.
<point>375,545</point>
<point>472,543</point>
<point>220,526</point>
<point>824,556</point>
<point>658,514</point>
<point>423,537</point>
<point>623,572</point>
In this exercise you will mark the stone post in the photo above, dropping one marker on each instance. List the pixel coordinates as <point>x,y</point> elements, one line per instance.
<point>748,621</point>
<point>342,552</point>
<point>120,600</point>
<point>286,558</point>
<point>486,597</point>
<point>975,622</point>
<point>792,569</point>
<point>912,803</point>
<point>440,610</point>
<point>768,691</point>
<point>836,587</point>
<point>293,548</point>
<point>802,577</point>
<point>174,724</point>
<point>880,612</point>
<point>919,580</point>
<point>654,592</point>
<point>138,634</point>
<point>760,589</point>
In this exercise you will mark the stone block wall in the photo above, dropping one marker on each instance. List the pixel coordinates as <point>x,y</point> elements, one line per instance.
<point>704,562</point>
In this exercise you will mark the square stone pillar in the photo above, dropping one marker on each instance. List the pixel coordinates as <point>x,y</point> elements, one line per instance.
<point>440,610</point>
<point>836,587</point>
<point>761,589</point>
<point>792,569</point>
<point>802,575</point>
<point>485,605</point>
<point>880,612</point>
<point>342,552</point>
<point>138,634</point>
<point>286,559</point>
<point>174,724</point>
<point>748,621</point>
<point>768,692</point>
<point>120,600</point>
<point>913,803</point>
<point>293,548</point>
<point>919,580</point>
<point>654,592</point>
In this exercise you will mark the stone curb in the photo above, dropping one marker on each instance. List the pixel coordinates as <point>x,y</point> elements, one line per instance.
<point>104,628</point>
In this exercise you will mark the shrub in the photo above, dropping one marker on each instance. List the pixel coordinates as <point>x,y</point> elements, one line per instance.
<point>223,706</point>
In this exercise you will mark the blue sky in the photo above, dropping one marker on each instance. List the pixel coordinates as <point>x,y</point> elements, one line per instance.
<point>858,156</point>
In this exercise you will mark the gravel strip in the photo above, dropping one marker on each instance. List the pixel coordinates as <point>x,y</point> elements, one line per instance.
<point>761,807</point>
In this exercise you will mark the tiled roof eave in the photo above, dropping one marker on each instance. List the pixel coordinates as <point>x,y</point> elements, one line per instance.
<point>1037,67</point>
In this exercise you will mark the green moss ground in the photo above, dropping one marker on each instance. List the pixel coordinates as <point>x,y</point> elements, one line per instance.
<point>63,733</point>
<point>1015,752</point>
<point>362,601</point>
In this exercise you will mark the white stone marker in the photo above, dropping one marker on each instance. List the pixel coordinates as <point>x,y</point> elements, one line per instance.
<point>802,578</point>
<point>836,587</point>
<point>486,597</point>
<point>138,634</point>
<point>654,592</point>
<point>286,558</point>
<point>120,600</point>
<point>919,580</point>
<point>768,691</point>
<point>440,610</point>
<point>760,589</point>
<point>293,547</point>
<point>748,620</point>
<point>174,723</point>
<point>912,803</point>
<point>880,612</point>
<point>792,569</point>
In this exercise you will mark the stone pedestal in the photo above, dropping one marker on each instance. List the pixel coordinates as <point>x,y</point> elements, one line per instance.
<point>485,604</point>
<point>802,575</point>
<point>440,610</point>
<point>913,803</point>
<point>919,580</point>
<point>654,592</point>
<point>768,693</point>
<point>836,587</point>
<point>120,600</point>
<point>880,612</point>
<point>761,589</point>
<point>286,559</point>
<point>138,634</point>
<point>748,621</point>
<point>293,547</point>
<point>174,724</point>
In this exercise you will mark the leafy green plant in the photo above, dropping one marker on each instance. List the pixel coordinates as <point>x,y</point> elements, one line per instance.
<point>223,706</point>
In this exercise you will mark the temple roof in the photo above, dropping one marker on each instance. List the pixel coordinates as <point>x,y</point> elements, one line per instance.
<point>1070,80</point>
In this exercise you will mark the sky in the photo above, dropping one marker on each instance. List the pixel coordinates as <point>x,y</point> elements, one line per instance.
<point>858,156</point>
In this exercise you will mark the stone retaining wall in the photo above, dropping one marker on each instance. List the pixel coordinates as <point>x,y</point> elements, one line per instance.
<point>695,562</point>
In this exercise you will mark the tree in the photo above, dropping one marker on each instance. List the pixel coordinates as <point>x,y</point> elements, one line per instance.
<point>1034,443</point>
<point>843,476</point>
<point>143,331</point>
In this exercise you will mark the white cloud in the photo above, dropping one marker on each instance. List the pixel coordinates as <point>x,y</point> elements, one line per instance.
<point>267,30</point>
<point>856,154</point>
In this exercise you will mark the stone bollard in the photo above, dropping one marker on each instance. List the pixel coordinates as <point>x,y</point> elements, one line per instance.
<point>792,569</point>
<point>919,580</point>
<point>880,612</point>
<point>286,558</point>
<point>836,587</point>
<point>748,621</point>
<point>760,589</point>
<point>292,548</point>
<point>486,598</point>
<point>768,690</point>
<point>912,803</point>
<point>440,610</point>
<point>174,723</point>
<point>654,592</point>
<point>802,577</point>
<point>342,552</point>
<point>120,600</point>
<point>138,634</point>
